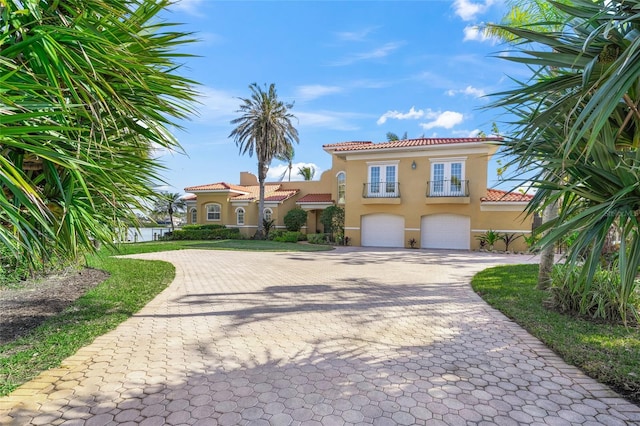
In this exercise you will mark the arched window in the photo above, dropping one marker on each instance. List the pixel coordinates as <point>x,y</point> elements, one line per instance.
<point>240,216</point>
<point>194,215</point>
<point>213,212</point>
<point>342,186</point>
<point>268,214</point>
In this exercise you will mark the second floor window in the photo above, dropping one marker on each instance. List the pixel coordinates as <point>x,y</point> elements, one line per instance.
<point>342,187</point>
<point>213,212</point>
<point>447,178</point>
<point>383,180</point>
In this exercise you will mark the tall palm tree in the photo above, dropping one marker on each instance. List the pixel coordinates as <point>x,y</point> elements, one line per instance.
<point>585,92</point>
<point>265,128</point>
<point>88,89</point>
<point>307,172</point>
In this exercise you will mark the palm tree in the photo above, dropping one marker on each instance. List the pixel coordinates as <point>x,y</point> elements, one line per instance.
<point>307,172</point>
<point>584,94</point>
<point>168,203</point>
<point>288,157</point>
<point>544,17</point>
<point>89,88</point>
<point>394,137</point>
<point>264,127</point>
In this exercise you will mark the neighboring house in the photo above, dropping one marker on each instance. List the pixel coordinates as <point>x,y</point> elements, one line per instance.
<point>431,190</point>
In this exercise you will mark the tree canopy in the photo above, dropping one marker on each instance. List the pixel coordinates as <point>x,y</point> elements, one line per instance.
<point>87,94</point>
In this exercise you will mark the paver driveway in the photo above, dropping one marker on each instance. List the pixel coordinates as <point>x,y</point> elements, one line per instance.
<point>344,337</point>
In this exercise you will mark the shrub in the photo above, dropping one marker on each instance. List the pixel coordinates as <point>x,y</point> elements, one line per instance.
<point>289,237</point>
<point>208,226</point>
<point>508,239</point>
<point>600,299</point>
<point>267,226</point>
<point>317,238</point>
<point>295,219</point>
<point>206,234</point>
<point>332,219</point>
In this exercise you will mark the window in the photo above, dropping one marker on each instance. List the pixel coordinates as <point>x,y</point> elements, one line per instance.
<point>447,178</point>
<point>268,213</point>
<point>342,187</point>
<point>213,212</point>
<point>383,180</point>
<point>240,216</point>
<point>194,215</point>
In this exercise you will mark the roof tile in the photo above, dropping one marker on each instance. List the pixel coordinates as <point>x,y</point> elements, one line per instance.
<point>407,143</point>
<point>497,195</point>
<point>316,198</point>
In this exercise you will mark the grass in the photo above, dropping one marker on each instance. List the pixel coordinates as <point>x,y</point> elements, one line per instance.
<point>607,352</point>
<point>131,285</point>
<point>251,245</point>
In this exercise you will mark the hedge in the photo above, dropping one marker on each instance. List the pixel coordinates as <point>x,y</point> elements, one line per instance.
<point>206,234</point>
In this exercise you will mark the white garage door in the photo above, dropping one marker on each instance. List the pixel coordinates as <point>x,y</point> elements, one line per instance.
<point>382,230</point>
<point>445,231</point>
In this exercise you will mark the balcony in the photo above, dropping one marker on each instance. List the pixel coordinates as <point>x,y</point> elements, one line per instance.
<point>454,191</point>
<point>381,193</point>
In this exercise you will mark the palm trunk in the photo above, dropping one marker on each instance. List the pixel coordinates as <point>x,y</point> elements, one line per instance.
<point>547,257</point>
<point>261,177</point>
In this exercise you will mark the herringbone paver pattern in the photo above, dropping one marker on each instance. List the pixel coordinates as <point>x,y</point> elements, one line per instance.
<point>352,336</point>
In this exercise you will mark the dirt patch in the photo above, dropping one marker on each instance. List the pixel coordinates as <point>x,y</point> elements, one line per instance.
<point>24,308</point>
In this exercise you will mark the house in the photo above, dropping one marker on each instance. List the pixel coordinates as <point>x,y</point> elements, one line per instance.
<point>432,190</point>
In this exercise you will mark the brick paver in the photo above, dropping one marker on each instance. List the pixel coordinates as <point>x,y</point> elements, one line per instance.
<point>344,337</point>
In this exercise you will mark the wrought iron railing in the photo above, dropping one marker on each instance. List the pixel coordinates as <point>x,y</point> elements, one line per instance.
<point>381,190</point>
<point>448,188</point>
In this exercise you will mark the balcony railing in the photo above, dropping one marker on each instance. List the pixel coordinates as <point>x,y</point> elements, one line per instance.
<point>381,190</point>
<point>448,188</point>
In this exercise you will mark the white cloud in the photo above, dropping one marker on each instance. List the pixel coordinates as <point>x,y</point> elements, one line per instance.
<point>413,114</point>
<point>191,7</point>
<point>466,133</point>
<point>355,35</point>
<point>468,91</point>
<point>469,10</point>
<point>380,52</point>
<point>476,33</point>
<point>328,119</point>
<point>315,91</point>
<point>446,119</point>
<point>281,172</point>
<point>217,107</point>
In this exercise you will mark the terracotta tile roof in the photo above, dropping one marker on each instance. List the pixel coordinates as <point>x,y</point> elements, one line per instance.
<point>219,186</point>
<point>345,144</point>
<point>496,195</point>
<point>271,193</point>
<point>408,143</point>
<point>190,197</point>
<point>316,198</point>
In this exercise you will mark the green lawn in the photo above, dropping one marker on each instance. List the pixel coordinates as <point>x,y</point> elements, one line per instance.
<point>608,353</point>
<point>131,285</point>
<point>253,245</point>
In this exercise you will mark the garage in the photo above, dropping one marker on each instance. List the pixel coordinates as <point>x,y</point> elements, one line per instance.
<point>445,231</point>
<point>382,230</point>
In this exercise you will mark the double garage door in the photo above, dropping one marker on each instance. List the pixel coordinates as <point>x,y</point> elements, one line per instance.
<point>439,231</point>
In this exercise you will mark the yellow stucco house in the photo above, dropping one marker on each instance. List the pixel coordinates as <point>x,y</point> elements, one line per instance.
<point>432,190</point>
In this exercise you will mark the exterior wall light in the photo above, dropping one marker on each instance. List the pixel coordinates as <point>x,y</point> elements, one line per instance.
<point>413,165</point>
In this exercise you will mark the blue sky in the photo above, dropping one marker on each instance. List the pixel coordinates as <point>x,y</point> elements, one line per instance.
<point>355,70</point>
